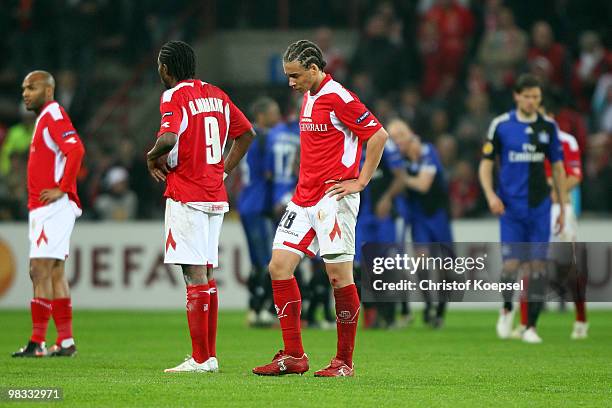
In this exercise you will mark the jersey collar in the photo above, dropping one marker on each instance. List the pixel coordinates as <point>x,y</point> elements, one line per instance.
<point>184,80</point>
<point>43,110</point>
<point>518,119</point>
<point>322,84</point>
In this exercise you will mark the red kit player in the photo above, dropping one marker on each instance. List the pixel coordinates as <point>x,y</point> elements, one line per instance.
<point>322,214</point>
<point>197,119</point>
<point>55,158</point>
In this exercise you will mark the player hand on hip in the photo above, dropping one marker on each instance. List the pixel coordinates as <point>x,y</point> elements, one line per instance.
<point>157,169</point>
<point>51,195</point>
<point>495,204</point>
<point>343,188</point>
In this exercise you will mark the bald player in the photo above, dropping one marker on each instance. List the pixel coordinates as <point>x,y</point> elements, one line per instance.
<point>55,158</point>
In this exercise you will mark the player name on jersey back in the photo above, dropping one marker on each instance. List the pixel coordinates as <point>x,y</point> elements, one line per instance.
<point>205,105</point>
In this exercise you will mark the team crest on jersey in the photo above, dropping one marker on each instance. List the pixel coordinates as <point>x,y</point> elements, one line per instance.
<point>362,117</point>
<point>487,148</point>
<point>543,137</point>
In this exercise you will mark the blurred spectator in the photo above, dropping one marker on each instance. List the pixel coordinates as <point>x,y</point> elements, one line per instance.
<point>464,191</point>
<point>439,124</point>
<point>13,189</point>
<point>386,11</point>
<point>98,161</point>
<point>362,86</point>
<point>454,26</point>
<point>473,125</point>
<point>594,61</point>
<point>17,139</point>
<point>119,203</point>
<point>602,104</point>
<point>384,110</point>
<point>70,95</point>
<point>476,79</point>
<point>378,56</point>
<point>412,110</point>
<point>447,150</point>
<point>492,15</point>
<point>336,61</point>
<point>502,50</point>
<point>548,56</point>
<point>147,191</point>
<point>434,79</point>
<point>596,187</point>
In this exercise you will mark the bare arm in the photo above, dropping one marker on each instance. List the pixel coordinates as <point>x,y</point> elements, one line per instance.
<point>374,151</point>
<point>570,183</point>
<point>238,150</point>
<point>163,145</point>
<point>559,187</point>
<point>559,183</point>
<point>421,182</point>
<point>485,174</point>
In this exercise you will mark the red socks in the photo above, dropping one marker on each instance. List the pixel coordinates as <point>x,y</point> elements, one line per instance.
<point>580,311</point>
<point>524,308</point>
<point>212,318</point>
<point>347,314</point>
<point>41,312</point>
<point>198,300</point>
<point>62,314</point>
<point>288,304</point>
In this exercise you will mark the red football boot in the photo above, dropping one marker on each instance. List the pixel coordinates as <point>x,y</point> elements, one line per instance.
<point>337,368</point>
<point>283,364</point>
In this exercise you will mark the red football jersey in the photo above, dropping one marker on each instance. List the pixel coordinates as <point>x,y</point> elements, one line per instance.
<point>54,136</point>
<point>571,156</point>
<point>203,117</point>
<point>333,125</point>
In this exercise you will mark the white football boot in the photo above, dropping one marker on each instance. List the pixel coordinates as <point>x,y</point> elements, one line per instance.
<point>580,331</point>
<point>530,336</point>
<point>190,365</point>
<point>504,324</point>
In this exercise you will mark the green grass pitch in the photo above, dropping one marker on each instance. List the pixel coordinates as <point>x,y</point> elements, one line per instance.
<point>122,356</point>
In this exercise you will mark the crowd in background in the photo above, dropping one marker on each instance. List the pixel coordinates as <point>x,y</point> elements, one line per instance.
<point>444,66</point>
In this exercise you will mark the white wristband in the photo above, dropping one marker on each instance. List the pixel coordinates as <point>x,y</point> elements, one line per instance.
<point>225,175</point>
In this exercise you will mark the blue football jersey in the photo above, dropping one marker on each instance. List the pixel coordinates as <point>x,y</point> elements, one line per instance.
<point>436,198</point>
<point>282,154</point>
<point>522,148</point>
<point>256,191</point>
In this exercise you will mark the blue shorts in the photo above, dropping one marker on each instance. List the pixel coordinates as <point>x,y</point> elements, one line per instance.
<point>528,226</point>
<point>258,231</point>
<point>372,229</point>
<point>433,228</point>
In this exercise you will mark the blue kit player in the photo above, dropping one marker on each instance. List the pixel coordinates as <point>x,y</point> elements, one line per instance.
<point>282,160</point>
<point>378,209</point>
<point>254,205</point>
<point>428,205</point>
<point>521,140</point>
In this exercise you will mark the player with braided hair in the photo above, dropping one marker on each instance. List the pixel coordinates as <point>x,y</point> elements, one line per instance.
<point>322,214</point>
<point>197,119</point>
